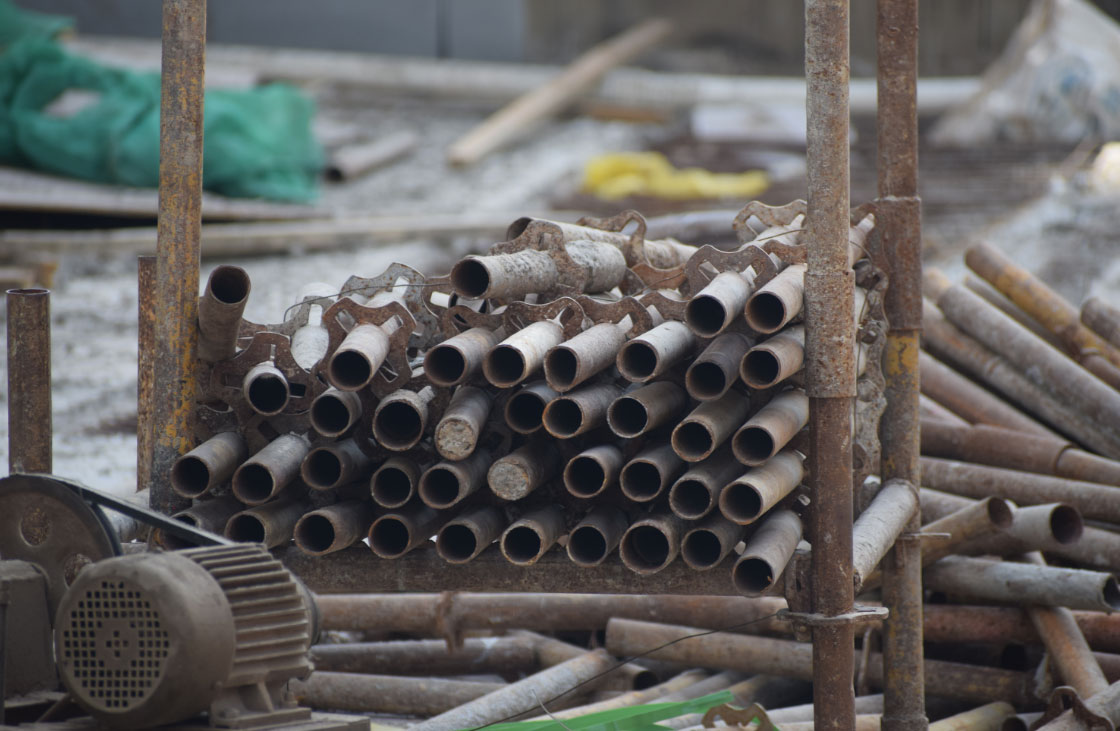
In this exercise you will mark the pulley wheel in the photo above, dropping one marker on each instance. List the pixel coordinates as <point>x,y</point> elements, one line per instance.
<point>44,522</point>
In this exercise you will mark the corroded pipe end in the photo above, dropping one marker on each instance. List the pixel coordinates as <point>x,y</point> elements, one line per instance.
<point>208,465</point>
<point>740,502</point>
<point>638,361</point>
<point>706,315</point>
<point>254,483</point>
<point>470,278</point>
<point>693,440</point>
<point>441,486</point>
<point>395,534</point>
<point>505,366</point>
<point>246,527</point>
<point>445,365</point>
<point>360,354</point>
<point>628,416</point>
<point>767,313</point>
<point>219,312</point>
<point>561,367</point>
<point>564,418</point>
<point>333,528</point>
<point>315,534</point>
<point>398,423</point>
<point>524,410</point>
<point>690,498</point>
<point>1066,524</point>
<point>649,546</point>
<point>266,389</point>
<point>753,445</point>
<point>524,542</point>
<point>706,380</point>
<point>394,482</point>
<point>592,471</point>
<point>642,480</point>
<point>596,536</point>
<point>229,285</point>
<point>333,412</point>
<point>190,476</point>
<point>753,575</point>
<point>464,538</point>
<point>705,546</point>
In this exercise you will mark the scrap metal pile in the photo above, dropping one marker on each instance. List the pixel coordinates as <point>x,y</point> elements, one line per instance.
<point>577,386</point>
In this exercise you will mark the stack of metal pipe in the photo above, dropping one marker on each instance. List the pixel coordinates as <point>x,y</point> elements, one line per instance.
<point>576,390</point>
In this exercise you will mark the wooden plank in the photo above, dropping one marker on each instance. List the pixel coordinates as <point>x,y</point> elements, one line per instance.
<point>26,190</point>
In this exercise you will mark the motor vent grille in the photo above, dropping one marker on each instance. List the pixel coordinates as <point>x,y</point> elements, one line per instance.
<point>116,644</point>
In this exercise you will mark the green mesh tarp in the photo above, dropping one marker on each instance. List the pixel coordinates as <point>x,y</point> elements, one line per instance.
<point>258,143</point>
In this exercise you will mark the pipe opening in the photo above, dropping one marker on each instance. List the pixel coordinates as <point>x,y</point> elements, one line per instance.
<point>561,365</point>
<point>637,360</point>
<point>690,499</point>
<point>587,546</point>
<point>439,487</point>
<point>253,483</point>
<point>628,417</point>
<point>397,424</point>
<point>584,476</point>
<point>173,543</point>
<point>391,487</point>
<point>504,365</point>
<point>329,415</point>
<point>705,380</point>
<point>1112,593</point>
<point>645,547</point>
<point>701,549</point>
<point>705,315</point>
<point>314,533</point>
<point>1015,657</point>
<point>692,439</point>
<point>760,368</point>
<point>470,279</point>
<point>740,503</point>
<point>1000,513</point>
<point>322,468</point>
<point>521,544</point>
<point>517,228</point>
<point>445,365</point>
<point>229,284</point>
<point>29,291</point>
<point>563,417</point>
<point>753,445</point>
<point>349,370</point>
<point>1065,524</point>
<point>752,575</point>
<point>766,312</point>
<point>644,679</point>
<point>268,394</point>
<point>640,481</point>
<point>456,542</point>
<point>245,528</point>
<point>524,412</point>
<point>190,477</point>
<point>389,537</point>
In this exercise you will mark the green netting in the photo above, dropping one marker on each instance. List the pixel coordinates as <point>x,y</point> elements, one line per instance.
<point>258,143</point>
<point>16,23</point>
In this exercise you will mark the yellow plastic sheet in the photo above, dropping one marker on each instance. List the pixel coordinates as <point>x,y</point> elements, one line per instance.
<point>621,174</point>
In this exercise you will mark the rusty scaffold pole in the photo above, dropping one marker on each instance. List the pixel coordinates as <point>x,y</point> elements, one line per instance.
<point>175,301</point>
<point>29,380</point>
<point>830,361</point>
<point>899,226</point>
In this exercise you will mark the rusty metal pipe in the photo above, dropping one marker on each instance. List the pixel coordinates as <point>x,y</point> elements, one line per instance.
<point>458,431</point>
<point>706,545</point>
<point>524,695</point>
<point>328,466</point>
<point>524,410</point>
<point>717,367</point>
<point>988,717</point>
<point>651,544</point>
<point>459,358</point>
<point>358,357</point>
<point>266,389</point>
<point>525,469</point>
<point>572,362</point>
<point>219,312</point>
<point>971,401</point>
<point>521,354</point>
<point>1047,307</point>
<point>333,528</point>
<point>650,473</point>
<point>334,412</point>
<point>531,536</point>
<point>211,515</point>
<point>774,305</point>
<point>593,470</point>
<point>746,499</point>
<point>594,537</point>
<point>662,253</point>
<point>145,373</point>
<point>1103,319</point>
<point>208,465</point>
<point>1096,547</point>
<point>271,524</point>
<point>365,693</point>
<point>461,539</point>
<point>767,553</point>
<point>771,429</point>
<point>774,359</point>
<point>1000,581</point>
<point>261,477</point>
<point>880,525</point>
<point>792,714</point>
<point>975,519</point>
<point>505,276</point>
<point>446,484</point>
<point>476,656</point>
<point>862,721</point>
<point>696,493</point>
<point>709,425</point>
<point>975,359</point>
<point>392,535</point>
<point>1035,528</point>
<point>652,694</point>
<point>1098,404</point>
<point>934,411</point>
<point>30,429</point>
<point>394,483</point>
<point>716,307</point>
<point>579,411</point>
<point>1009,308</point>
<point>1095,501</point>
<point>401,417</point>
<point>643,409</point>
<point>655,351</point>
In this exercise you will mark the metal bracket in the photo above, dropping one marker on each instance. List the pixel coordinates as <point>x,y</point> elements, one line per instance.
<point>1064,698</point>
<point>858,615</point>
<point>741,717</point>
